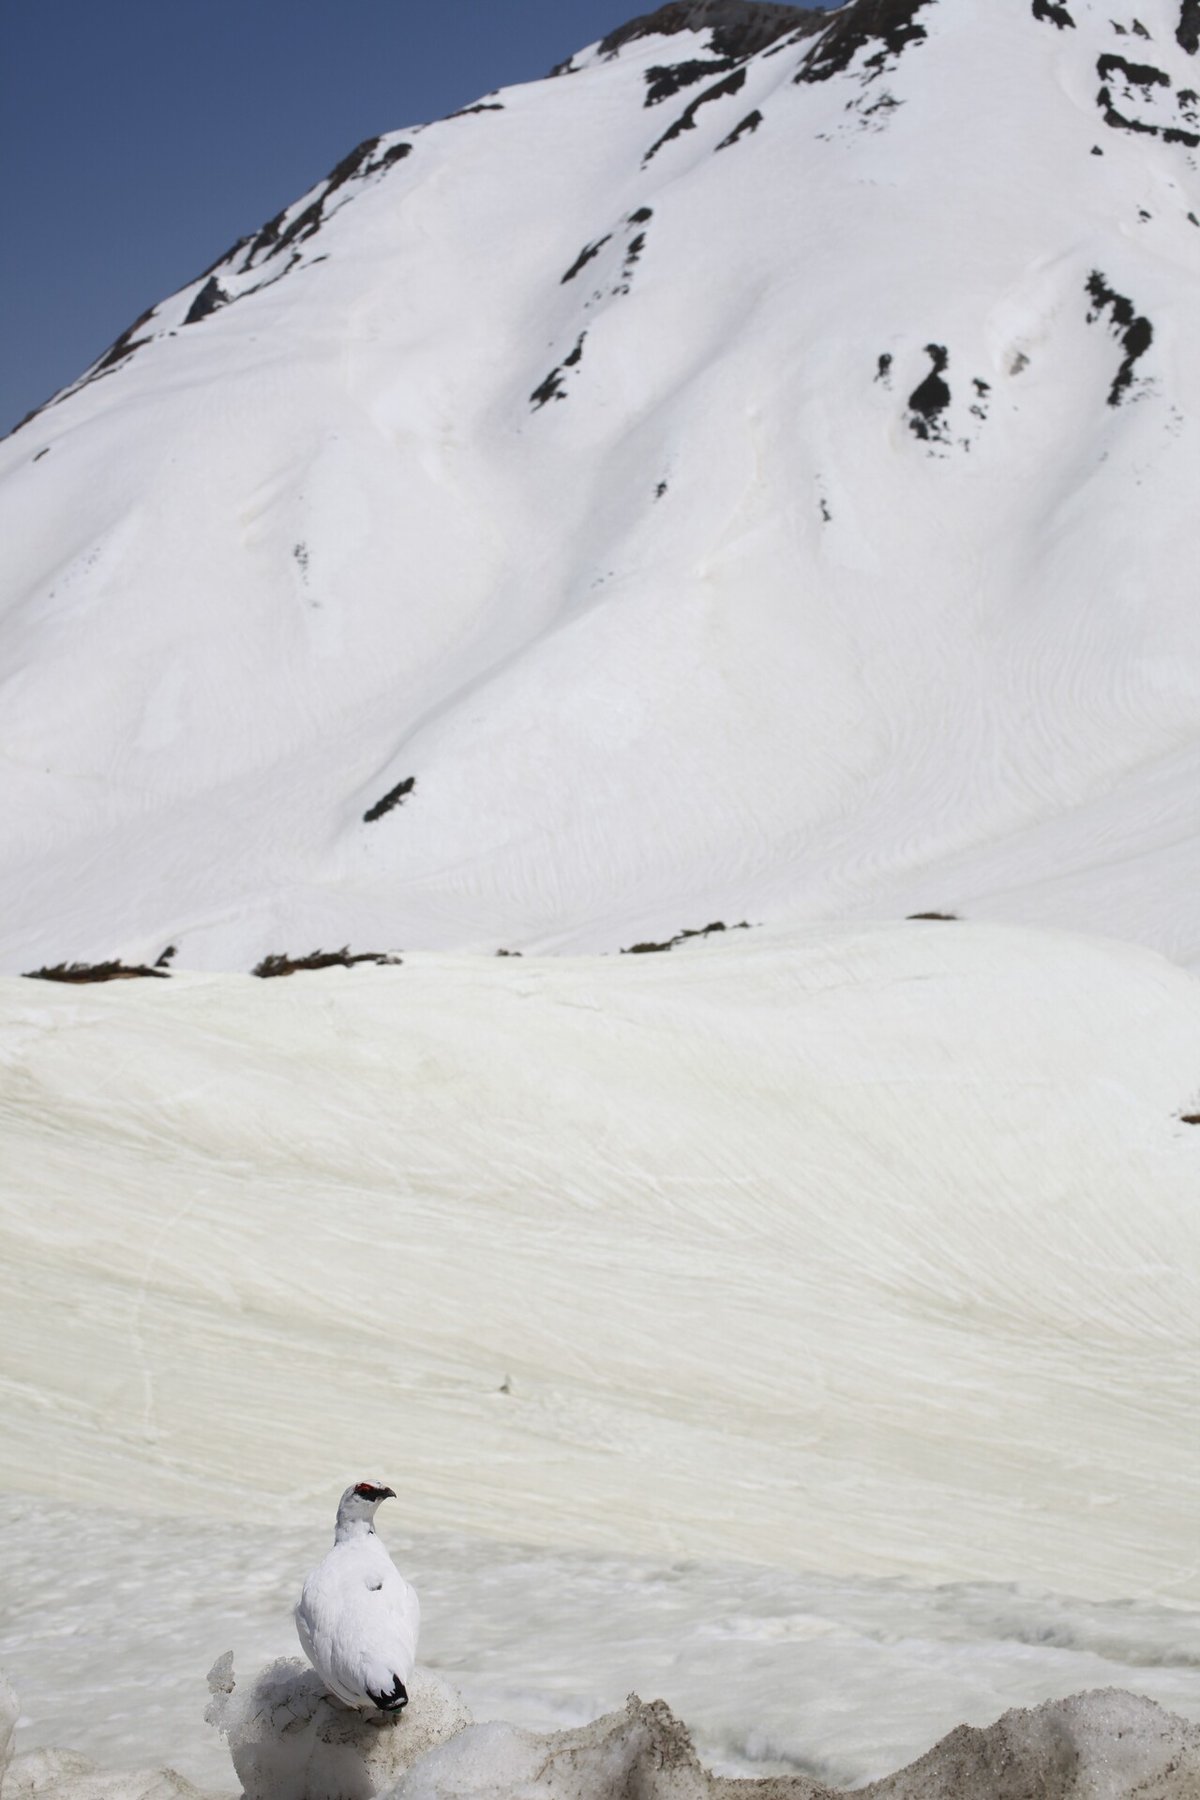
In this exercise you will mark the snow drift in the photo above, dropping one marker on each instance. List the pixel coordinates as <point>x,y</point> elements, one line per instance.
<point>289,1743</point>
<point>749,475</point>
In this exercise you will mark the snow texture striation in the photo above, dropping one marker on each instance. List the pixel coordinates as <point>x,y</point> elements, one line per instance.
<point>535,470</point>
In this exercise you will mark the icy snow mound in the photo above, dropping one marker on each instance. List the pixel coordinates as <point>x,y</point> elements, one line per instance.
<point>743,477</point>
<point>1103,1746</point>
<point>290,1741</point>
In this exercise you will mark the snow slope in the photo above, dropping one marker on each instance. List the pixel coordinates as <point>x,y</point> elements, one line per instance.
<point>748,475</point>
<point>870,1251</point>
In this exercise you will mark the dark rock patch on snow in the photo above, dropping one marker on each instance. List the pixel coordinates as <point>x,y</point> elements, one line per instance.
<point>750,123</point>
<point>738,27</point>
<point>211,296</point>
<point>1135,333</point>
<point>103,971</point>
<point>394,797</point>
<point>279,963</point>
<point>1148,79</point>
<point>1057,15</point>
<point>665,81</point>
<point>889,24</point>
<point>1187,32</point>
<point>554,387</point>
<point>1143,75</point>
<point>480,106</point>
<point>928,402</point>
<point>642,216</point>
<point>687,119</point>
<point>883,371</point>
<point>702,931</point>
<point>585,256</point>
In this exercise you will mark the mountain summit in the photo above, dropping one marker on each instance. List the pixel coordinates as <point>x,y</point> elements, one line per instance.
<point>750,475</point>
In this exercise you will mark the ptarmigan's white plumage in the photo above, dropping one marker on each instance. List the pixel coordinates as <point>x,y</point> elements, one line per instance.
<point>357,1617</point>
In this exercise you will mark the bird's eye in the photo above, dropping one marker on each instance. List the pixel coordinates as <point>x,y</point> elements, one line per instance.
<point>368,1493</point>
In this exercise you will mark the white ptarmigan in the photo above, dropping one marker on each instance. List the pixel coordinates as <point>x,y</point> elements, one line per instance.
<point>357,1617</point>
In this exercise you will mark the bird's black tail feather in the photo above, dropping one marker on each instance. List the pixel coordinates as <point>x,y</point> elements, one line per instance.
<point>393,1701</point>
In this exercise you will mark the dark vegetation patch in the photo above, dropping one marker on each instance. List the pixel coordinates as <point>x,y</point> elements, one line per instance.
<point>886,23</point>
<point>702,932</point>
<point>585,256</point>
<point>103,971</point>
<point>750,123</point>
<point>947,917</point>
<point>1057,15</point>
<point>554,387</point>
<point>686,121</point>
<point>737,27</point>
<point>929,401</point>
<point>664,81</point>
<point>394,797</point>
<point>1187,32</point>
<point>282,964</point>
<point>211,296</point>
<point>1135,333</point>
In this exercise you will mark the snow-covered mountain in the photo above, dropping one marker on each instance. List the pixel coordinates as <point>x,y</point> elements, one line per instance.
<point>750,474</point>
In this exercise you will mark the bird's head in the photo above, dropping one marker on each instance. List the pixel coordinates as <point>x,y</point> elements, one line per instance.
<point>356,1509</point>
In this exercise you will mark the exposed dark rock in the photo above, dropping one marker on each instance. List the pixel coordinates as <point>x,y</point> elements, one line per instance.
<point>1190,1118</point>
<point>480,106</point>
<point>394,797</point>
<point>686,121</point>
<point>885,23</point>
<point>929,401</point>
<point>1140,30</point>
<point>282,964</point>
<point>948,917</point>
<point>124,347</point>
<point>660,490</point>
<point>585,256</point>
<point>1057,15</point>
<point>883,371</point>
<point>663,82</point>
<point>1187,32</point>
<point>1143,75</point>
<point>211,296</point>
<point>702,932</point>
<point>42,453</point>
<point>105,971</point>
<point>738,27</point>
<point>393,154</point>
<point>750,123</point>
<point>642,216</point>
<point>1136,333</point>
<point>1148,78</point>
<point>552,388</point>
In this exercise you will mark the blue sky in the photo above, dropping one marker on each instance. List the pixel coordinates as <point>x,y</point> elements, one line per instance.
<point>140,138</point>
